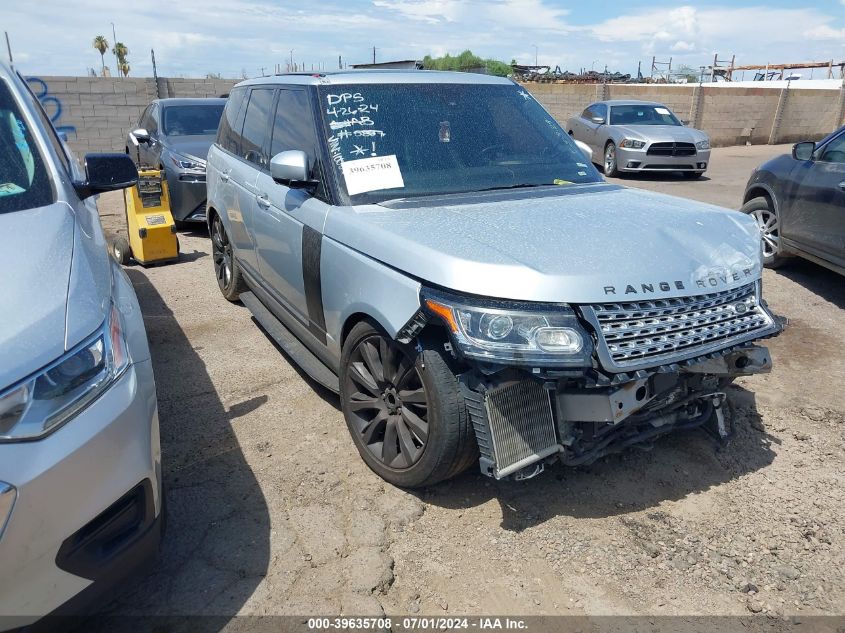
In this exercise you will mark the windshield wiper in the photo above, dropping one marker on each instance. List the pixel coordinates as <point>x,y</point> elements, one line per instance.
<point>519,186</point>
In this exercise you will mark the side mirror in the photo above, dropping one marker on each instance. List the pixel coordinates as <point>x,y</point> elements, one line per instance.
<point>106,172</point>
<point>803,150</point>
<point>141,135</point>
<point>291,168</point>
<point>685,121</point>
<point>597,119</point>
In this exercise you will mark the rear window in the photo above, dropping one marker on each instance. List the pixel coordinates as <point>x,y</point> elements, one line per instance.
<point>24,181</point>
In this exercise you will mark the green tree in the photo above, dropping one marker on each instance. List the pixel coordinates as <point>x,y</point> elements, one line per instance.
<point>102,45</point>
<point>121,51</point>
<point>466,61</point>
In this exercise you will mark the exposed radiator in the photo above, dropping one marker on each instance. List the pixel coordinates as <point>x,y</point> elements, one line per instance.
<point>514,426</point>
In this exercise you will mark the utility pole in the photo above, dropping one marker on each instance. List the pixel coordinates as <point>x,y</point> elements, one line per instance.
<point>114,50</point>
<point>339,62</point>
<point>262,71</point>
<point>535,54</point>
<point>9,47</point>
<point>374,54</point>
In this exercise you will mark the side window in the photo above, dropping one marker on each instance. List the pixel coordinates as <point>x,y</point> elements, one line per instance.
<point>587,113</point>
<point>145,118</point>
<point>152,119</point>
<point>293,125</point>
<point>255,126</point>
<point>229,132</point>
<point>834,152</point>
<point>600,109</point>
<point>52,135</point>
<point>294,128</point>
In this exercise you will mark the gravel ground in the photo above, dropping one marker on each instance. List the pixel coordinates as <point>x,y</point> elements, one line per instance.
<point>271,511</point>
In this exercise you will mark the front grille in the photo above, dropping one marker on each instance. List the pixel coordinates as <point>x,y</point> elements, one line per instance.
<point>647,333</point>
<point>522,427</point>
<point>671,149</point>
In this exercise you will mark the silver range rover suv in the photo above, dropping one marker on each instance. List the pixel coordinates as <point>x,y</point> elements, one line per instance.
<point>436,249</point>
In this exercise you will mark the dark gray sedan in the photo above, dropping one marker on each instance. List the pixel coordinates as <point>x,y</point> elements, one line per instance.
<point>798,200</point>
<point>637,136</point>
<point>175,135</point>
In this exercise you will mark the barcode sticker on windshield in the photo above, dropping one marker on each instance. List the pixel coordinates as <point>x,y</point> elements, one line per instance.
<point>661,111</point>
<point>372,174</point>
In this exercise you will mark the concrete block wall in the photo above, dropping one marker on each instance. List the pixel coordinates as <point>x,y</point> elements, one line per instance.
<point>96,112</point>
<point>725,112</point>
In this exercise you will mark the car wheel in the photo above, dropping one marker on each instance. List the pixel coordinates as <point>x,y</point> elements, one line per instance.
<point>767,220</point>
<point>610,167</point>
<point>121,251</point>
<point>692,175</point>
<point>226,267</point>
<point>404,410</point>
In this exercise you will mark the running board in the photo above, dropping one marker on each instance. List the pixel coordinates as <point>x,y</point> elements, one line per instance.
<point>293,347</point>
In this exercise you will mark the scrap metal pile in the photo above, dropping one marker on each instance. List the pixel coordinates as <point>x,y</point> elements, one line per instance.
<point>544,74</point>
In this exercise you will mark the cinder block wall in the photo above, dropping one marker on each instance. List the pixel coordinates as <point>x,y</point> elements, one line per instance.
<point>97,112</point>
<point>725,113</point>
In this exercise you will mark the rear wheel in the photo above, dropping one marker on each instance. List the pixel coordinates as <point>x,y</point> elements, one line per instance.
<point>226,267</point>
<point>610,167</point>
<point>767,220</point>
<point>404,410</point>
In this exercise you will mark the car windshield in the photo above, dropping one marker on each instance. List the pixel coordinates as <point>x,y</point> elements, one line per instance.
<point>191,120</point>
<point>24,182</point>
<point>406,140</point>
<point>638,114</point>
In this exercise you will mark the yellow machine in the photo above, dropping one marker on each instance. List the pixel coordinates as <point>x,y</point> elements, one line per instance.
<point>149,224</point>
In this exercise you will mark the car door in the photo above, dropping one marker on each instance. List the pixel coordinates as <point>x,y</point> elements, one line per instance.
<point>289,221</point>
<point>252,158</point>
<point>815,216</point>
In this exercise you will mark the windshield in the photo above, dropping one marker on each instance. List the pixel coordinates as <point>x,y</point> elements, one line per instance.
<point>24,182</point>
<point>405,140</point>
<point>191,120</point>
<point>636,114</point>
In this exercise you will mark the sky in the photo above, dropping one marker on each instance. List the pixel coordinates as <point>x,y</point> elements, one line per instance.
<point>240,37</point>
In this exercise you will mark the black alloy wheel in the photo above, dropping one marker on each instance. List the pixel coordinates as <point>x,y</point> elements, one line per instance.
<point>225,265</point>
<point>387,402</point>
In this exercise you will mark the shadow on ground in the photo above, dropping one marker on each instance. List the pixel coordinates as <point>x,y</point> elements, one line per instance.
<point>817,279</point>
<point>217,546</point>
<point>678,465</point>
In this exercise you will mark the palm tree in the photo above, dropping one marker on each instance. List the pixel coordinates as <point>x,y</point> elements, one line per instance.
<point>102,45</point>
<point>121,51</point>
<point>124,68</point>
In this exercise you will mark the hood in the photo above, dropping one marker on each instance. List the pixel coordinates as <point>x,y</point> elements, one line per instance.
<point>195,147</point>
<point>50,259</point>
<point>36,265</point>
<point>579,244</point>
<point>661,133</point>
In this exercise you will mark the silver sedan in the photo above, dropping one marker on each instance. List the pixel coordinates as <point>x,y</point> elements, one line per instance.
<point>636,136</point>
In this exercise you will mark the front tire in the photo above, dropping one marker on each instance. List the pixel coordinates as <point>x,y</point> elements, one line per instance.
<point>611,169</point>
<point>767,220</point>
<point>404,410</point>
<point>693,175</point>
<point>121,251</point>
<point>226,268</point>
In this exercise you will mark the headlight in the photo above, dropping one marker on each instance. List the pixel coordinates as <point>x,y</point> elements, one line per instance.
<point>46,400</point>
<point>630,143</point>
<point>705,144</point>
<point>187,164</point>
<point>512,332</point>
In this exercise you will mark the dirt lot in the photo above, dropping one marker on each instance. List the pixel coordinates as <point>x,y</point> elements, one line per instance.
<point>271,511</point>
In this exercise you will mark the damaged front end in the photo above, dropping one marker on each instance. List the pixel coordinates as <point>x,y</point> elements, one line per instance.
<point>635,372</point>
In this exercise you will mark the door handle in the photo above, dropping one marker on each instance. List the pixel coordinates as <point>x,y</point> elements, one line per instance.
<point>224,176</point>
<point>263,201</point>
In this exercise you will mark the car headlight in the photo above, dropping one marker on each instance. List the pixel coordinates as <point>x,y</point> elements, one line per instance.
<point>705,144</point>
<point>187,164</point>
<point>49,398</point>
<point>512,332</point>
<point>631,143</point>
